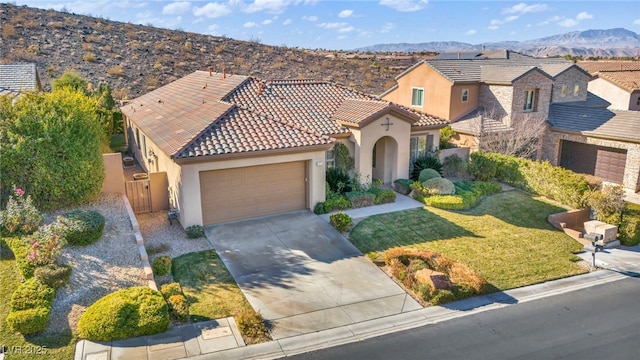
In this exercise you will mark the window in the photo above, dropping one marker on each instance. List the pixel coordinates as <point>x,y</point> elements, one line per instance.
<point>530,100</point>
<point>138,138</point>
<point>417,97</point>
<point>420,145</point>
<point>638,101</point>
<point>330,158</point>
<point>576,90</point>
<point>465,95</point>
<point>144,146</point>
<point>563,93</point>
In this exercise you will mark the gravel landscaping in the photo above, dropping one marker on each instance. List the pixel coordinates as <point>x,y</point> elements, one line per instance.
<point>110,264</point>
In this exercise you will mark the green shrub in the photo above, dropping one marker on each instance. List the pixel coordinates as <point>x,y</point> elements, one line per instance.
<point>45,245</point>
<point>425,162</point>
<point>338,180</point>
<point>127,313</point>
<point>195,231</point>
<point>419,192</point>
<point>442,296</point>
<point>360,199</point>
<point>162,265</point>
<point>54,275</point>
<point>453,166</point>
<point>51,144</point>
<point>171,289</point>
<point>482,188</point>
<point>451,202</point>
<point>336,202</point>
<point>179,306</point>
<point>32,294</point>
<point>607,203</point>
<point>446,133</point>
<point>29,321</point>
<point>340,221</point>
<point>20,216</point>
<point>403,186</point>
<point>383,196</point>
<point>81,227</point>
<point>439,186</point>
<point>630,226</point>
<point>319,209</point>
<point>21,250</point>
<point>427,174</point>
<point>251,325</point>
<point>482,167</point>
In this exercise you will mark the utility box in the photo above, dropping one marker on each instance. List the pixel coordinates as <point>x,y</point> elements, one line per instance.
<point>609,232</point>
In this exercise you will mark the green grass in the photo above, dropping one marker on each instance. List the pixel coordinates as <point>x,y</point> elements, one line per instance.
<point>52,346</point>
<point>207,284</point>
<point>117,143</point>
<point>506,238</point>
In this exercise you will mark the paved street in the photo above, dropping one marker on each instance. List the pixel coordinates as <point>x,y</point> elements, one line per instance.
<point>600,322</point>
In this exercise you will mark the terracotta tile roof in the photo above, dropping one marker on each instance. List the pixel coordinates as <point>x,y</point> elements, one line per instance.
<point>628,80</point>
<point>595,66</point>
<point>240,131</point>
<point>174,114</point>
<point>618,125</point>
<point>358,112</point>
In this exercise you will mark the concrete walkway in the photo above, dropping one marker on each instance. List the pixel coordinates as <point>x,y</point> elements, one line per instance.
<point>402,203</point>
<point>632,197</point>
<point>203,341</point>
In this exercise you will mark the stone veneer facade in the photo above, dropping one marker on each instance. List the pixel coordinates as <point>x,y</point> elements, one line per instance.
<point>531,80</point>
<point>551,152</point>
<point>570,77</point>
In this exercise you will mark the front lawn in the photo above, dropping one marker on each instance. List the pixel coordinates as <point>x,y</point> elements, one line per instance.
<point>213,293</point>
<point>39,346</point>
<point>506,238</point>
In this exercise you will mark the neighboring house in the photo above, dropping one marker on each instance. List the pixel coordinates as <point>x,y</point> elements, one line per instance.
<point>18,78</point>
<point>236,147</point>
<point>618,82</point>
<point>491,95</point>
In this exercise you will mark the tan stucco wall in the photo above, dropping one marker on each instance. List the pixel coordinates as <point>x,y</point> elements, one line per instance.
<point>113,174</point>
<point>365,138</point>
<point>620,99</point>
<point>189,185</point>
<point>459,108</point>
<point>159,191</point>
<point>437,91</point>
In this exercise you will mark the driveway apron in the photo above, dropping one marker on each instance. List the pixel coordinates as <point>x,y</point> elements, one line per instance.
<point>303,275</point>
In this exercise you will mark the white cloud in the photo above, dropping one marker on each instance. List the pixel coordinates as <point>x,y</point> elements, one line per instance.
<point>568,23</point>
<point>345,13</point>
<point>550,20</point>
<point>310,18</point>
<point>584,16</point>
<point>347,29</point>
<point>213,29</point>
<point>636,22</point>
<point>405,5</point>
<point>470,32</point>
<point>267,22</point>
<point>212,10</point>
<point>270,6</point>
<point>287,22</point>
<point>177,8</point>
<point>333,25</point>
<point>511,18</point>
<point>523,8</point>
<point>387,27</point>
<point>249,25</point>
<point>493,27</point>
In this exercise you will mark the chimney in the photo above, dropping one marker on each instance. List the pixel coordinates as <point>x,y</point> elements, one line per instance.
<point>260,88</point>
<point>458,56</point>
<point>506,54</point>
<point>210,70</point>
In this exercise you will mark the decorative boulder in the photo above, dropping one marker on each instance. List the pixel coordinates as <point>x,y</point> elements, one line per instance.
<point>436,279</point>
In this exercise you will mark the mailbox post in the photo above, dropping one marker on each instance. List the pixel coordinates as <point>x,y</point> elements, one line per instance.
<point>595,247</point>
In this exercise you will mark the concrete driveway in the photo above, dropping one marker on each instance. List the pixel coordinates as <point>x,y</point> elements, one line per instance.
<point>303,275</point>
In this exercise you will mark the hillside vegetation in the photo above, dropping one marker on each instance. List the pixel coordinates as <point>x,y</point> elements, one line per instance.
<point>134,59</point>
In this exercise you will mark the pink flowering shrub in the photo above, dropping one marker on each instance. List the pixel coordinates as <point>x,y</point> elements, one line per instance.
<point>20,216</point>
<point>45,245</point>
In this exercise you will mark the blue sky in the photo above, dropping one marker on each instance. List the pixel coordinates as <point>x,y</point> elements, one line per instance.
<point>346,25</point>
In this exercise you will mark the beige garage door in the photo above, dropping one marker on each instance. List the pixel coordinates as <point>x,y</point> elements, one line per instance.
<point>241,193</point>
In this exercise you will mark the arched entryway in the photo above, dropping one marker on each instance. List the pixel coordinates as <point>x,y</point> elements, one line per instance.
<point>383,160</point>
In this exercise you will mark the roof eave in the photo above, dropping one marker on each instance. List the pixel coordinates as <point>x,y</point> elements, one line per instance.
<point>595,135</point>
<point>252,154</point>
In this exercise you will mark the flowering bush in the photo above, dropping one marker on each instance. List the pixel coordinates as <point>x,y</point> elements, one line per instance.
<point>20,216</point>
<point>45,245</point>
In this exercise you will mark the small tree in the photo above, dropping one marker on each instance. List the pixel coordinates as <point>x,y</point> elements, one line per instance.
<point>70,79</point>
<point>51,147</point>
<point>522,140</point>
<point>608,203</point>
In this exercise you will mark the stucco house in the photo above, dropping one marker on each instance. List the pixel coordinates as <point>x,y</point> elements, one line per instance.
<point>618,82</point>
<point>236,147</point>
<point>485,94</point>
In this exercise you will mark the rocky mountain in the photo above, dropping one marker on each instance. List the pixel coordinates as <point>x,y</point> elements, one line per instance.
<point>617,42</point>
<point>134,59</point>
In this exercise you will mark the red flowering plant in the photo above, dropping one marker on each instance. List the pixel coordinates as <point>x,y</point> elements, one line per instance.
<point>20,216</point>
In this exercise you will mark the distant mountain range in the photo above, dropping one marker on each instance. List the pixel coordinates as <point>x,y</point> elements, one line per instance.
<point>617,42</point>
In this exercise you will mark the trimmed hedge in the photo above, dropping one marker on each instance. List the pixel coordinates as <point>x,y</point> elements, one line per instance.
<point>195,231</point>
<point>29,321</point>
<point>537,177</point>
<point>403,186</point>
<point>630,226</point>
<point>427,174</point>
<point>81,227</point>
<point>32,294</point>
<point>340,221</point>
<point>439,186</point>
<point>162,265</point>
<point>383,196</point>
<point>54,275</point>
<point>127,313</point>
<point>170,289</point>
<point>360,199</point>
<point>179,306</point>
<point>21,250</point>
<point>467,195</point>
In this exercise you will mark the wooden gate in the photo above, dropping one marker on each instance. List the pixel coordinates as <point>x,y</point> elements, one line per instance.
<point>139,195</point>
